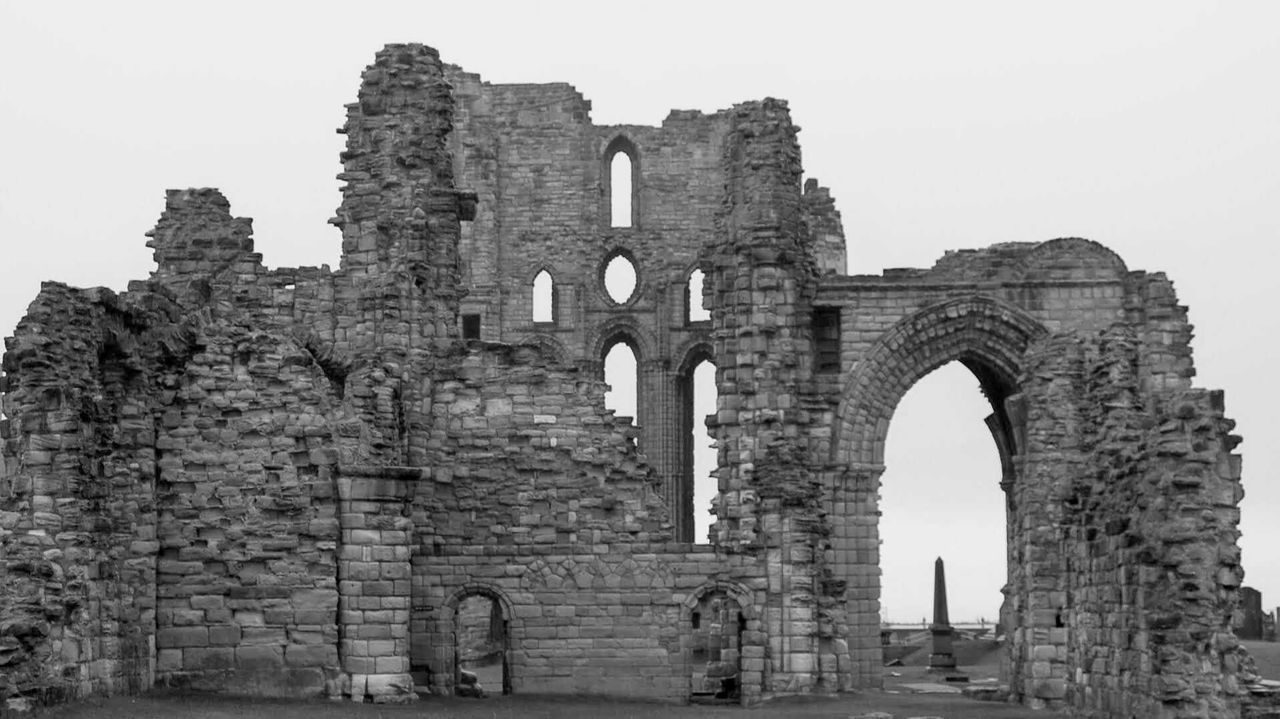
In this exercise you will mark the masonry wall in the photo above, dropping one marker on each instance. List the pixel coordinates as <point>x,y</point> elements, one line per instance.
<point>605,620</point>
<point>78,528</point>
<point>284,481</point>
<point>1161,574</point>
<point>535,215</point>
<point>525,453</point>
<point>247,581</point>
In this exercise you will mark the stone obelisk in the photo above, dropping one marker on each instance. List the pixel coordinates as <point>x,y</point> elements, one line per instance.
<point>941,660</point>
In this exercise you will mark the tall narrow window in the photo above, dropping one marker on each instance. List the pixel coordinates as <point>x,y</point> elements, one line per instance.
<point>620,372</point>
<point>703,449</point>
<point>693,302</point>
<point>620,189</point>
<point>471,327</point>
<point>544,298</point>
<point>826,340</point>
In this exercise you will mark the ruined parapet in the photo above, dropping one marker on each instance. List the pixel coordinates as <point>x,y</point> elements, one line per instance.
<point>399,282</point>
<point>823,220</point>
<point>1138,487</point>
<point>399,204</point>
<point>200,248</point>
<point>1152,305</point>
<point>246,452</point>
<point>78,526</point>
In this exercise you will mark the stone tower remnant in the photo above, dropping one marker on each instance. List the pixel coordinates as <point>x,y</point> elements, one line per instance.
<point>289,481</point>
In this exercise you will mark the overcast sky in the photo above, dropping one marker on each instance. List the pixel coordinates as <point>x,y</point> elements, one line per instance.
<point>1151,127</point>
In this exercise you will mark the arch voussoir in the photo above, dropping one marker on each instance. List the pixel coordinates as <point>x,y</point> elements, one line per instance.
<point>978,329</point>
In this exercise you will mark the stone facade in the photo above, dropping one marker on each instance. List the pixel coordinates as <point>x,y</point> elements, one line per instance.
<point>289,481</point>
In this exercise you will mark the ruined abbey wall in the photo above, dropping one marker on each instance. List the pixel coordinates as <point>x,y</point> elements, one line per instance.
<point>287,481</point>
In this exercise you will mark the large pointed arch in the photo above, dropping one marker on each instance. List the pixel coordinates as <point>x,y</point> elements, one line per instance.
<point>988,336</point>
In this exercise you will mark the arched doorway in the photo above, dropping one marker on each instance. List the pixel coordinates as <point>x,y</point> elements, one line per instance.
<point>940,497</point>
<point>717,624</point>
<point>990,339</point>
<point>481,645</point>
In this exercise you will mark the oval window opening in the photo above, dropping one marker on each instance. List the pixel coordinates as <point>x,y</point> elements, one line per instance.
<point>620,279</point>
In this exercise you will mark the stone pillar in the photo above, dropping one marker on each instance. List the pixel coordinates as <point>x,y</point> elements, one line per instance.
<point>374,584</point>
<point>771,498</point>
<point>855,544</point>
<point>1038,596</point>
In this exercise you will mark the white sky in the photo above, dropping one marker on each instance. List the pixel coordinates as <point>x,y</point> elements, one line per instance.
<point>1151,127</point>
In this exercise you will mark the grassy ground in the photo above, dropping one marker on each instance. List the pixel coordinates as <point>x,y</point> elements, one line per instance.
<point>897,699</point>
<point>1267,656</point>
<point>534,707</point>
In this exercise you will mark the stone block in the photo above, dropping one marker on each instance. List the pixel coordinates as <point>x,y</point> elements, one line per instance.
<point>208,658</point>
<point>168,660</point>
<point>391,664</point>
<point>315,616</point>
<point>208,601</point>
<point>260,658</point>
<point>363,536</point>
<point>301,655</point>
<point>181,637</point>
<point>321,599</point>
<point>255,635</point>
<point>224,634</point>
<point>381,647</point>
<point>359,665</point>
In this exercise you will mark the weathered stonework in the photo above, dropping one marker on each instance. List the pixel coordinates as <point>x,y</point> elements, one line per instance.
<point>289,481</point>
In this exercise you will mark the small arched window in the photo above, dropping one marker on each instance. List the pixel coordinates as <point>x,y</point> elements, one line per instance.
<point>694,309</point>
<point>621,372</point>
<point>544,298</point>
<point>622,171</point>
<point>620,188</point>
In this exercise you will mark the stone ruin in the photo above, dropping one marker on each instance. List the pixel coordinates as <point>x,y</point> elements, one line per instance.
<point>288,481</point>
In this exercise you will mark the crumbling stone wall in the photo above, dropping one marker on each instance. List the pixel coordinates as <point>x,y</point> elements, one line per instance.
<point>78,528</point>
<point>524,450</point>
<point>537,215</point>
<point>1152,563</point>
<point>246,569</point>
<point>285,481</point>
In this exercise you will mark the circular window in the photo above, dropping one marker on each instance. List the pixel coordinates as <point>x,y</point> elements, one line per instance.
<point>620,278</point>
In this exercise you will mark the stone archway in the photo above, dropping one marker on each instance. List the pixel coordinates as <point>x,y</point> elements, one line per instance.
<point>681,498</point>
<point>717,624</point>
<point>477,626</point>
<point>991,339</point>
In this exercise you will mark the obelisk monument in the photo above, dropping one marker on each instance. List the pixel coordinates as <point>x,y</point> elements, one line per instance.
<point>941,660</point>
